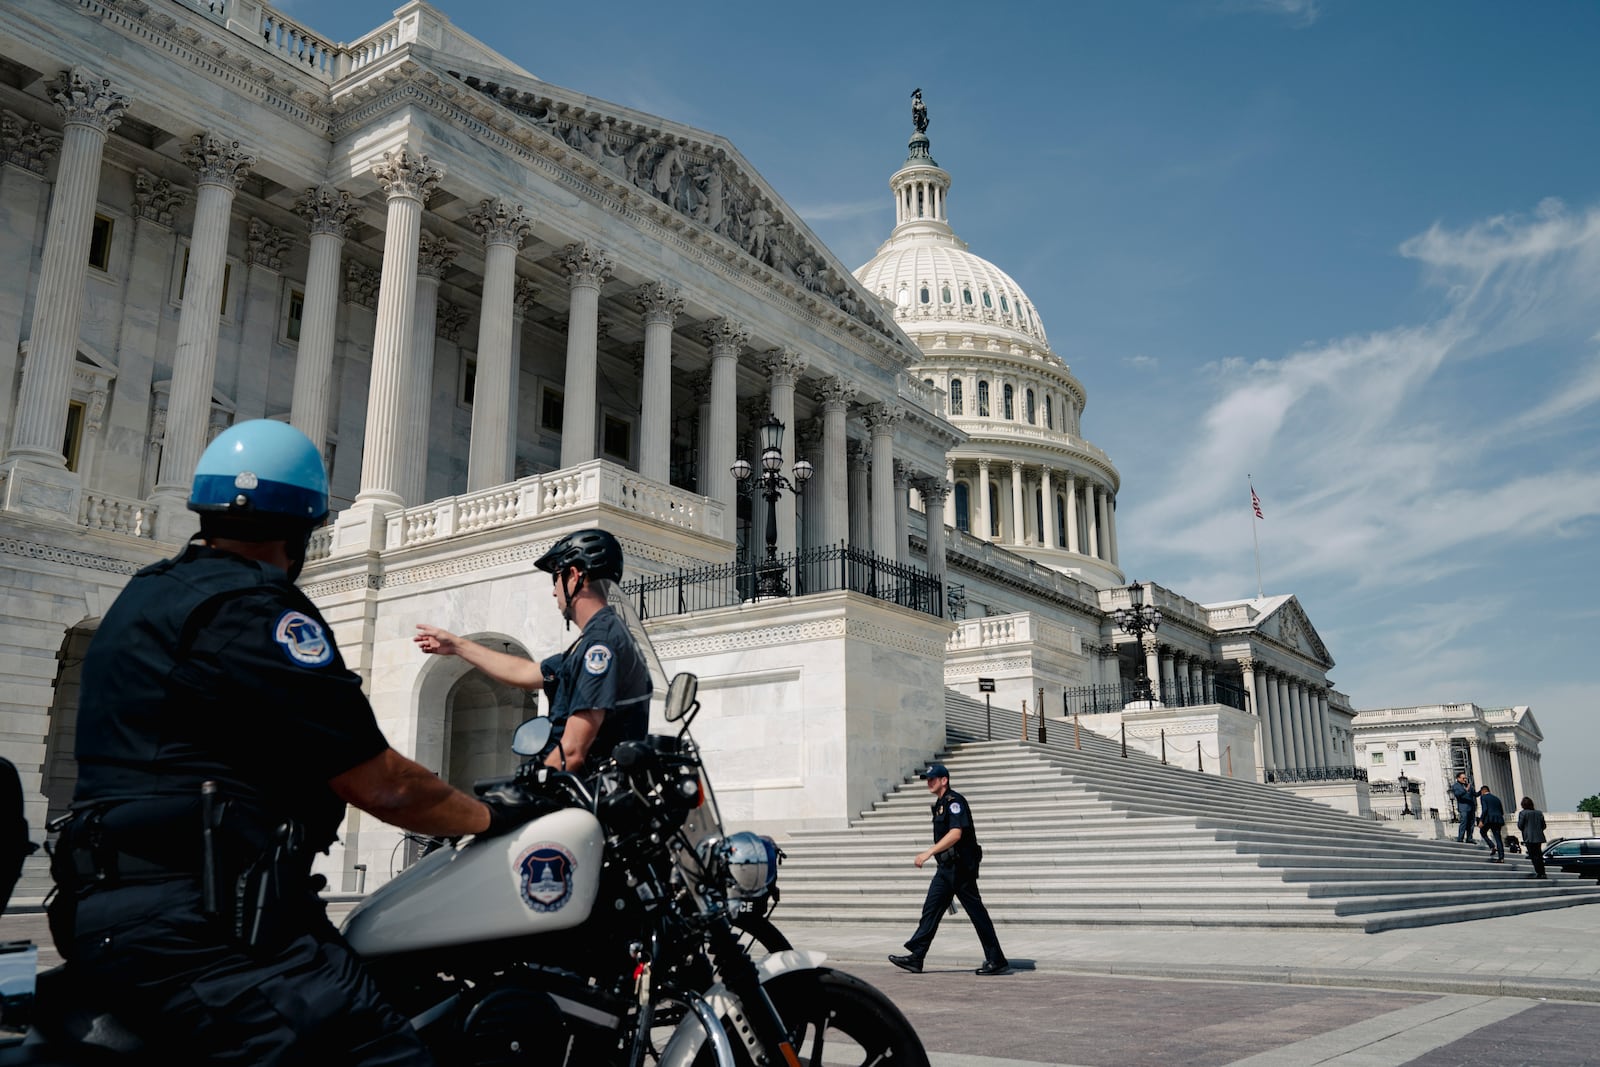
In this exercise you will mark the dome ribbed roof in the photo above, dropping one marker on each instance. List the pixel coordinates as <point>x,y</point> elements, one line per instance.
<point>928,279</point>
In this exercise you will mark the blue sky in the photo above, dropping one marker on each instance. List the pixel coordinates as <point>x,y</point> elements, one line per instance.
<point>1351,249</point>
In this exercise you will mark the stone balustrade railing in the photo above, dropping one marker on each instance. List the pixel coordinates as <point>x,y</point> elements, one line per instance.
<point>320,545</point>
<point>110,514</point>
<point>1018,628</point>
<point>588,484</point>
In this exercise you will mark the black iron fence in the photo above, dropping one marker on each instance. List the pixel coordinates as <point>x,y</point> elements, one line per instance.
<point>813,570</point>
<point>1099,699</point>
<point>1317,774</point>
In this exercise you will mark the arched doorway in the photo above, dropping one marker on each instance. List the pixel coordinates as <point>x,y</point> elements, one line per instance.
<point>480,717</point>
<point>60,768</point>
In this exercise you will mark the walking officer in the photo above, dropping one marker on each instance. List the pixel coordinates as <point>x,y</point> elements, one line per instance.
<point>958,855</point>
<point>220,737</point>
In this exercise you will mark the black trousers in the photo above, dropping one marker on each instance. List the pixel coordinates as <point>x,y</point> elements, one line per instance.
<point>1536,854</point>
<point>961,883</point>
<point>1492,838</point>
<point>148,953</point>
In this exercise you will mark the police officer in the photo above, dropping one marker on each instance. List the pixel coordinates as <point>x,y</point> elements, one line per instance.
<point>958,854</point>
<point>220,737</point>
<point>599,688</point>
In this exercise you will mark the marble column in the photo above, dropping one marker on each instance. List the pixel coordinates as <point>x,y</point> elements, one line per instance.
<point>860,496</point>
<point>1102,496</point>
<point>1319,723</point>
<point>330,212</point>
<point>934,493</point>
<point>1283,739</point>
<point>26,149</point>
<point>1018,524</point>
<point>784,367</point>
<point>1047,509</point>
<point>881,421</point>
<point>726,339</point>
<point>1302,697</point>
<point>902,513</point>
<point>218,164</point>
<point>951,519</point>
<point>1152,665</point>
<point>834,395</point>
<point>524,297</point>
<point>700,389</point>
<point>754,409</point>
<point>37,479</point>
<point>660,304</point>
<point>1111,529</point>
<point>1264,756</point>
<point>1072,514</point>
<point>1303,756</point>
<point>434,257</point>
<point>491,457</point>
<point>810,444</point>
<point>985,523</point>
<point>588,268</point>
<point>408,179</point>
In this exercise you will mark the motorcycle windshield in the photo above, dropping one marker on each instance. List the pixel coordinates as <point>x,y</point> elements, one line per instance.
<point>625,611</point>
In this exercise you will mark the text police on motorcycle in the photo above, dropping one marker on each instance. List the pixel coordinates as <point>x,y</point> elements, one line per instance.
<point>599,688</point>
<point>219,738</point>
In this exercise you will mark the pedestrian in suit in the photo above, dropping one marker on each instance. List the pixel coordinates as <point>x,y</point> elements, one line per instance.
<point>957,852</point>
<point>1491,820</point>
<point>1530,824</point>
<point>1461,791</point>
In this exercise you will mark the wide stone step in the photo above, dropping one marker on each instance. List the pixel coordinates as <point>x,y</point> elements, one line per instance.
<point>1185,916</point>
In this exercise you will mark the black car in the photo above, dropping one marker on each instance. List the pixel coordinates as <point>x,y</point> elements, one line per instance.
<point>1580,854</point>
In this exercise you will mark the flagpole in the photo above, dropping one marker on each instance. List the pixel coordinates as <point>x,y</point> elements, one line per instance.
<point>1255,516</point>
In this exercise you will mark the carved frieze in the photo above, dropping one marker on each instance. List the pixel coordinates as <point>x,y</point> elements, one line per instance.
<point>216,160</point>
<point>27,144</point>
<point>405,172</point>
<point>328,209</point>
<point>85,100</point>
<point>157,199</point>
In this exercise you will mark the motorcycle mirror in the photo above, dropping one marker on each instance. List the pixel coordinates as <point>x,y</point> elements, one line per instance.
<point>681,701</point>
<point>531,737</point>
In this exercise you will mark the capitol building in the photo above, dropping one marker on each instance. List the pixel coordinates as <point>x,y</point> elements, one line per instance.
<point>507,310</point>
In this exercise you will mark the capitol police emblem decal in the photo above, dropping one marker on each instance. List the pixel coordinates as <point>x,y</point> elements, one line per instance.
<point>597,660</point>
<point>545,872</point>
<point>302,640</point>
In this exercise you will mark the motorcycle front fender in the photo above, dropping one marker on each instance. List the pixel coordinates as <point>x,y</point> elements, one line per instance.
<point>690,1036</point>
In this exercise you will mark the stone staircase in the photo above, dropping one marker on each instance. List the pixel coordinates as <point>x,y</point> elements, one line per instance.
<point>1085,836</point>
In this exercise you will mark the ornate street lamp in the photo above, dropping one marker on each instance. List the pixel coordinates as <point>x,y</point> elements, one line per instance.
<point>1136,620</point>
<point>1405,795</point>
<point>771,483</point>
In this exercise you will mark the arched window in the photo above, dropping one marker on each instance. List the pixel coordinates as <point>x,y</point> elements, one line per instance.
<point>983,399</point>
<point>966,295</point>
<point>1032,420</point>
<point>1061,522</point>
<point>924,295</point>
<point>994,510</point>
<point>903,298</point>
<point>927,381</point>
<point>955,396</point>
<point>1010,409</point>
<point>988,301</point>
<point>963,508</point>
<point>1049,413</point>
<point>1004,306</point>
<point>944,294</point>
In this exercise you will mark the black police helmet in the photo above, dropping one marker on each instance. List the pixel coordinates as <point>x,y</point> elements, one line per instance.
<point>594,552</point>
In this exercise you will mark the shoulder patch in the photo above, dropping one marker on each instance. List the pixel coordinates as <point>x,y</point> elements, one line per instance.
<point>955,808</point>
<point>597,660</point>
<point>302,639</point>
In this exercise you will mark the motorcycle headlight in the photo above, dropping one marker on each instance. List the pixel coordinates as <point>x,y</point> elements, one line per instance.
<point>752,862</point>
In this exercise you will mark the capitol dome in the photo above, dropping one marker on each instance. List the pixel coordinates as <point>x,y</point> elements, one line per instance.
<point>1025,478</point>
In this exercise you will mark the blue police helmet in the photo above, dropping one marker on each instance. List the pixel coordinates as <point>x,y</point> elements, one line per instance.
<point>261,468</point>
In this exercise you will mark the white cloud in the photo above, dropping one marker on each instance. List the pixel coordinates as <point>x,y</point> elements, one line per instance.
<point>831,212</point>
<point>1300,13</point>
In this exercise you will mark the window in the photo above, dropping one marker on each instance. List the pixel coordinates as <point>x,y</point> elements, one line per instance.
<point>1003,305</point>
<point>987,301</point>
<point>295,315</point>
<point>100,243</point>
<point>955,396</point>
<point>983,400</point>
<point>903,299</point>
<point>1031,412</point>
<point>927,381</point>
<point>1049,413</point>
<point>994,510</point>
<point>963,508</point>
<point>551,402</point>
<point>1061,522</point>
<point>1377,759</point>
<point>1038,514</point>
<point>1010,409</point>
<point>1409,755</point>
<point>924,295</point>
<point>74,438</point>
<point>616,438</point>
<point>468,384</point>
<point>944,294</point>
<point>966,296</point>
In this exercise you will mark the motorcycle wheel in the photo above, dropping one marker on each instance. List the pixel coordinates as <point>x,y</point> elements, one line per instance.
<point>837,1020</point>
<point>757,932</point>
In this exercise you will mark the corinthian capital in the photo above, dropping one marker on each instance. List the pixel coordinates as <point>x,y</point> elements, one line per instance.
<point>883,418</point>
<point>85,100</point>
<point>361,284</point>
<point>452,318</point>
<point>835,393</point>
<point>217,161</point>
<point>585,264</point>
<point>404,173</point>
<point>434,255</point>
<point>327,209</point>
<point>499,222</point>
<point>783,365</point>
<point>155,198</point>
<point>725,337</point>
<point>26,144</point>
<point>524,295</point>
<point>659,302</point>
<point>265,245</point>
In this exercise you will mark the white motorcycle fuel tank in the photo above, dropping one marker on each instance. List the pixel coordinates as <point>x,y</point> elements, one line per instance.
<point>543,878</point>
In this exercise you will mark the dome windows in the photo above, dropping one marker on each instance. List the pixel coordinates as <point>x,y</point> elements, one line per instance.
<point>1031,412</point>
<point>983,399</point>
<point>988,301</point>
<point>1010,407</point>
<point>903,298</point>
<point>966,295</point>
<point>955,396</point>
<point>944,294</point>
<point>1004,306</point>
<point>1049,413</point>
<point>924,296</point>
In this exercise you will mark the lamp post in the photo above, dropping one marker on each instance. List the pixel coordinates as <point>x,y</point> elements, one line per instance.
<point>1136,620</point>
<point>1405,795</point>
<point>771,483</point>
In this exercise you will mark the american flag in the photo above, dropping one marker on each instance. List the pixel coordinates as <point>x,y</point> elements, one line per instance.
<point>1255,502</point>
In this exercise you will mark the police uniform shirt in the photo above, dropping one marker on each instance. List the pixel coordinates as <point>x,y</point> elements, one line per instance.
<point>213,666</point>
<point>605,670</point>
<point>950,812</point>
